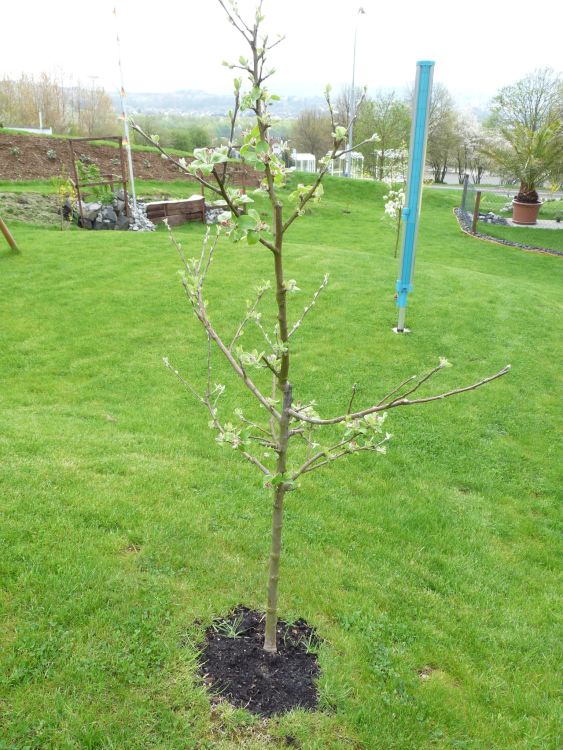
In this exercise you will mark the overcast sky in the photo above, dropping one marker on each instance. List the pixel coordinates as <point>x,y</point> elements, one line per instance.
<point>179,44</point>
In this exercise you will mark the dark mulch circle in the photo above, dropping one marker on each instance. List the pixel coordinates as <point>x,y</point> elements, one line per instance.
<point>234,664</point>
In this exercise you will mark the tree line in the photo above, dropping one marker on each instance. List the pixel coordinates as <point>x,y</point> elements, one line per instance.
<point>457,141</point>
<point>65,106</point>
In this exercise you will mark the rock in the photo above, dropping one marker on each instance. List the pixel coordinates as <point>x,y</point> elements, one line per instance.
<point>123,222</point>
<point>90,210</point>
<point>109,214</point>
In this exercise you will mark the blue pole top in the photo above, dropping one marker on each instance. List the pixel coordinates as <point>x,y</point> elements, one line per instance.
<point>426,63</point>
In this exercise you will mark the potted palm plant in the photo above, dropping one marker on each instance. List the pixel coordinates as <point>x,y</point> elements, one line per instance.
<point>531,157</point>
<point>527,118</point>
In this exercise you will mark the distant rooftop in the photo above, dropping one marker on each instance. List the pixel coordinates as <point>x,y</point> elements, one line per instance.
<point>36,131</point>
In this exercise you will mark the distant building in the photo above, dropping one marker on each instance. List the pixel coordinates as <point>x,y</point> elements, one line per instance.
<point>35,131</point>
<point>304,162</point>
<point>338,166</point>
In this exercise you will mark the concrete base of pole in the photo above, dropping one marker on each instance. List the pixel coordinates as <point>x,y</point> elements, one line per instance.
<point>401,322</point>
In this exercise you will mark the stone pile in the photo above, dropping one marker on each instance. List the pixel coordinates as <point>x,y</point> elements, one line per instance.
<point>492,218</point>
<point>97,215</point>
<point>214,210</point>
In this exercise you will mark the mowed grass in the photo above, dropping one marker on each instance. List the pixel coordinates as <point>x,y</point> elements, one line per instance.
<point>431,573</point>
<point>551,239</point>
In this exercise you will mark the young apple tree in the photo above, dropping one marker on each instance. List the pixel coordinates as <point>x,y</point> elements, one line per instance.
<point>292,439</point>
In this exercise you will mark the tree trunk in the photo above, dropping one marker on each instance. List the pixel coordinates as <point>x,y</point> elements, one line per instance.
<point>270,640</point>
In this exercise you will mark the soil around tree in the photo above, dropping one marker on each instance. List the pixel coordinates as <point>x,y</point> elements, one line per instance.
<point>235,666</point>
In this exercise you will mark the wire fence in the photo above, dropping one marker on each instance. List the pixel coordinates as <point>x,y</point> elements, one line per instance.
<point>468,198</point>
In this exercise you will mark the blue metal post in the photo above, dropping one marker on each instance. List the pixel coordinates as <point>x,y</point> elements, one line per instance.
<point>411,211</point>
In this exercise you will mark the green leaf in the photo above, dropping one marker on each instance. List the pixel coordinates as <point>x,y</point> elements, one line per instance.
<point>262,147</point>
<point>245,221</point>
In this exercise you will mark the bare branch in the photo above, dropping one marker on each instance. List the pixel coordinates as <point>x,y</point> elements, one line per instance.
<point>310,305</point>
<point>330,108</point>
<point>238,22</point>
<point>252,424</point>
<point>329,456</point>
<point>275,44</point>
<point>353,148</point>
<point>249,314</point>
<point>347,453</point>
<point>352,397</point>
<point>400,402</point>
<point>397,389</point>
<point>184,382</point>
<point>256,462</point>
<point>203,318</point>
<point>423,380</point>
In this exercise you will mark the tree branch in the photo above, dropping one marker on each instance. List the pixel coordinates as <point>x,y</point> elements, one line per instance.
<point>310,305</point>
<point>233,18</point>
<point>174,161</point>
<point>249,314</point>
<point>400,402</point>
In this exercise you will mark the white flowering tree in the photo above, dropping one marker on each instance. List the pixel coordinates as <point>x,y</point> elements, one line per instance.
<point>394,204</point>
<point>471,157</point>
<point>292,440</point>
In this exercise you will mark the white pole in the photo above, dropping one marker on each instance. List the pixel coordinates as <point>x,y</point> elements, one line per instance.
<point>122,95</point>
<point>361,11</point>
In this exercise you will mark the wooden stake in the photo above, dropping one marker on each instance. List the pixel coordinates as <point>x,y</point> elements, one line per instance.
<point>476,212</point>
<point>6,232</point>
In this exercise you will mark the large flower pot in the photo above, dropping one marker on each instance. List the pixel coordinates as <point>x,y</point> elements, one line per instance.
<point>525,213</point>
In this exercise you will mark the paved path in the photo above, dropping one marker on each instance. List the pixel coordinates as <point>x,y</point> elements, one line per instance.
<point>540,224</point>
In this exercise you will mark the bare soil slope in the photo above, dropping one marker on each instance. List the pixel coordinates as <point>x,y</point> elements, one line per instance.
<point>24,157</point>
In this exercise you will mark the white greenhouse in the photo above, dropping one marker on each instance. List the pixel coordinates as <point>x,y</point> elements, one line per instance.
<point>338,166</point>
<point>304,162</point>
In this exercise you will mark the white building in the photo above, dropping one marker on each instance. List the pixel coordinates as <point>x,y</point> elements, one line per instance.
<point>338,166</point>
<point>304,162</point>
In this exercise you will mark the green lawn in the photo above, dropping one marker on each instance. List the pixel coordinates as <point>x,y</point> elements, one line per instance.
<point>430,572</point>
<point>546,238</point>
<point>551,239</point>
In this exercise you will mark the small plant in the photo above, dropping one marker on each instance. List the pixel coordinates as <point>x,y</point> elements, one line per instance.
<point>65,193</point>
<point>311,644</point>
<point>229,628</point>
<point>146,164</point>
<point>14,151</point>
<point>51,154</point>
<point>90,173</point>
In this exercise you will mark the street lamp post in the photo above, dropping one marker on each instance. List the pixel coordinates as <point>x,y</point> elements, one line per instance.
<point>361,12</point>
